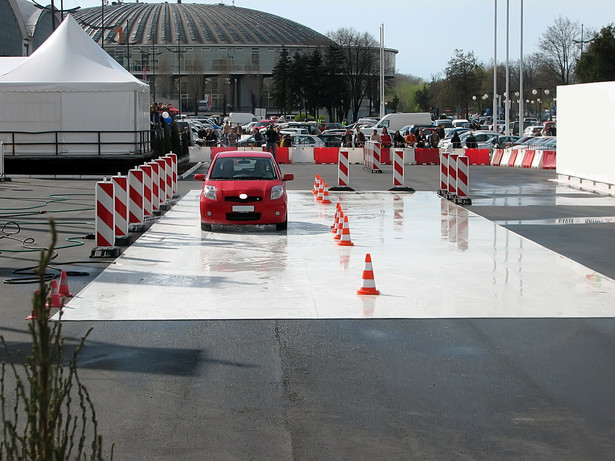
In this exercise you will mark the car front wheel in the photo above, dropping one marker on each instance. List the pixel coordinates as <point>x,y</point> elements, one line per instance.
<point>282,225</point>
<point>205,227</point>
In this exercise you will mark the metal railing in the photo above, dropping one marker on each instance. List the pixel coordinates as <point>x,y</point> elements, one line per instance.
<point>76,143</point>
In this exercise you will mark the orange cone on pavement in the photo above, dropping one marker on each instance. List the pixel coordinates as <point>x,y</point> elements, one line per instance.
<point>321,190</point>
<point>54,295</point>
<point>64,290</point>
<point>368,284</point>
<point>345,236</point>
<point>336,219</point>
<point>340,226</point>
<point>316,184</point>
<point>325,195</point>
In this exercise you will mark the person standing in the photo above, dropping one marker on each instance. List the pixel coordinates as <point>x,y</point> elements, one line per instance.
<point>271,138</point>
<point>456,140</point>
<point>258,138</point>
<point>434,139</point>
<point>385,138</point>
<point>398,139</point>
<point>359,138</point>
<point>471,141</point>
<point>375,137</point>
<point>347,139</point>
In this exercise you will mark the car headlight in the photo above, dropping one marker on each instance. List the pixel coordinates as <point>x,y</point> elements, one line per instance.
<point>210,192</point>
<point>277,192</point>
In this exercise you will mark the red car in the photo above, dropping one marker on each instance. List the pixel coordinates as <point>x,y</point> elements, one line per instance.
<point>244,188</point>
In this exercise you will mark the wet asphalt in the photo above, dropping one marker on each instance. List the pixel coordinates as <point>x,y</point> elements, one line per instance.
<point>336,389</point>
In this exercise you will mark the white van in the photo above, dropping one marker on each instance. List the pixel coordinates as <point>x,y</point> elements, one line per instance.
<point>461,123</point>
<point>396,121</point>
<point>243,118</point>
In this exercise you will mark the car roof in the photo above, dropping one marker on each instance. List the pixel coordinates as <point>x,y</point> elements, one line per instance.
<point>243,153</point>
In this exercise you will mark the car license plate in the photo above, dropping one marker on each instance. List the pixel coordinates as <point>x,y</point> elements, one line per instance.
<point>243,208</point>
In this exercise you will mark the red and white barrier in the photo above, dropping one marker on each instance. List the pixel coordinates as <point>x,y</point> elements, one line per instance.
<point>463,180</point>
<point>120,184</point>
<point>162,179</point>
<point>170,181</point>
<point>371,157</point>
<point>398,167</point>
<point>343,168</point>
<point>135,197</point>
<point>452,176</point>
<point>444,159</point>
<point>105,216</point>
<point>155,187</point>
<point>147,189</point>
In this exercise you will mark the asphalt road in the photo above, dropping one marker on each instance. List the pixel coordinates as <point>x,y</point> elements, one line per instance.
<point>479,389</point>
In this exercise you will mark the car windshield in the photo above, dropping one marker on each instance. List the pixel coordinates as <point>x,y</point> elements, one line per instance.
<point>243,168</point>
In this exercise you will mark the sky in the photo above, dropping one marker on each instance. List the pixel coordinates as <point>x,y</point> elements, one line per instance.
<point>426,33</point>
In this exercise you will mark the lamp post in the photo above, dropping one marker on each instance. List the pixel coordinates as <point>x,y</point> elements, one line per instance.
<point>179,52</point>
<point>538,92</point>
<point>153,64</point>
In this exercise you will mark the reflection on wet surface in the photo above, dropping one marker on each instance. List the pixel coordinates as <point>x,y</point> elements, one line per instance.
<point>431,259</point>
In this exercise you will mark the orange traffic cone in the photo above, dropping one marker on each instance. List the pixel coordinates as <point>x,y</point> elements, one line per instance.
<point>345,236</point>
<point>54,294</point>
<point>336,219</point>
<point>316,184</point>
<point>340,226</point>
<point>325,195</point>
<point>368,284</point>
<point>321,190</point>
<point>64,290</point>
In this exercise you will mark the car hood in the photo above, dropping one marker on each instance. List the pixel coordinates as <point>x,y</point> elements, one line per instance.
<point>249,187</point>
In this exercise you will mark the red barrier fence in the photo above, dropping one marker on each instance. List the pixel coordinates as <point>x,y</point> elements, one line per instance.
<point>326,154</point>
<point>548,159</point>
<point>478,156</point>
<point>425,156</point>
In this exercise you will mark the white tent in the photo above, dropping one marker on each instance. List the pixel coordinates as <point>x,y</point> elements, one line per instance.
<point>71,84</point>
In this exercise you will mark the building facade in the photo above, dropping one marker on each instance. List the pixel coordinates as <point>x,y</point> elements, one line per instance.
<point>212,58</point>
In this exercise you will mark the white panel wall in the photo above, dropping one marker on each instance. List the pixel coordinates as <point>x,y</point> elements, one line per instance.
<point>586,131</point>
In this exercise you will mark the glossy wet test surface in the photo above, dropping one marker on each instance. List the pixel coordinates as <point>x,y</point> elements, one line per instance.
<point>431,259</point>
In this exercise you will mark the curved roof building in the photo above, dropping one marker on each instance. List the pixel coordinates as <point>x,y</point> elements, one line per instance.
<point>194,24</point>
<point>200,57</point>
<point>24,27</point>
<point>218,57</point>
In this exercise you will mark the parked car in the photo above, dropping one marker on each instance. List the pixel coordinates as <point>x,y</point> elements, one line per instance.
<point>533,130</point>
<point>306,140</point>
<point>309,126</point>
<point>250,142</point>
<point>243,188</point>
<point>331,139</point>
<point>330,126</point>
<point>482,139</point>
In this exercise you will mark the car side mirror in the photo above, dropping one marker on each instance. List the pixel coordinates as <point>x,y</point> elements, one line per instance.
<point>199,177</point>
<point>288,177</point>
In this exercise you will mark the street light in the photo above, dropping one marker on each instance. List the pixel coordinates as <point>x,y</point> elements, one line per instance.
<point>179,52</point>
<point>539,91</point>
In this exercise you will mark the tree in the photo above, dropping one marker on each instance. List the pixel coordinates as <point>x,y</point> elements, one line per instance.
<point>335,91</point>
<point>314,83</point>
<point>280,81</point>
<point>559,48</point>
<point>597,64</point>
<point>296,83</point>
<point>464,77</point>
<point>359,63</point>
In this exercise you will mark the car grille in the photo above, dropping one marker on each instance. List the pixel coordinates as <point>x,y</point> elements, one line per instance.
<point>251,198</point>
<point>243,216</point>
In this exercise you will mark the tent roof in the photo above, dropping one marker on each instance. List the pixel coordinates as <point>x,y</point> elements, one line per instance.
<point>8,63</point>
<point>70,60</point>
